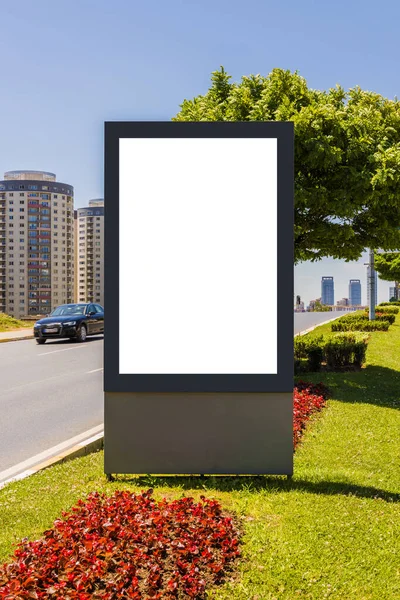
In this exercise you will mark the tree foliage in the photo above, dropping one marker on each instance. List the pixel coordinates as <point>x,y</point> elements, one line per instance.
<point>347,157</point>
<point>319,307</point>
<point>387,264</point>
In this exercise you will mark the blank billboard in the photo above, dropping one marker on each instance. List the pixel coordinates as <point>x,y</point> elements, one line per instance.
<point>198,256</point>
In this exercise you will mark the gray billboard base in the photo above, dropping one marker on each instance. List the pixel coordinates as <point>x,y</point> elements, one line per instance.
<point>198,433</point>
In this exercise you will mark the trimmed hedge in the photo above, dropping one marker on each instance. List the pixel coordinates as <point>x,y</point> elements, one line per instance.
<point>345,349</point>
<point>389,310</point>
<point>336,350</point>
<point>394,303</point>
<point>360,325</point>
<point>379,316</point>
<point>309,349</point>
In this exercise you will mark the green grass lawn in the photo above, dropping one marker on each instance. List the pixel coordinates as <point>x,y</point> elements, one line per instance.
<point>8,323</point>
<point>332,532</point>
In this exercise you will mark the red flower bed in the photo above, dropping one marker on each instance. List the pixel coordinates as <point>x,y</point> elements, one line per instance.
<point>308,399</point>
<point>125,546</point>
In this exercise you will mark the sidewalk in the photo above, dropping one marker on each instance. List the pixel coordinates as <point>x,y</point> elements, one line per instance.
<point>17,334</point>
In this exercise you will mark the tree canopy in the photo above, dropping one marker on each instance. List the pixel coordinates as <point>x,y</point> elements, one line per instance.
<point>387,264</point>
<point>347,157</point>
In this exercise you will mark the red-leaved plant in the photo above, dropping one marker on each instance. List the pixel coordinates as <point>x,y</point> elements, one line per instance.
<point>125,546</point>
<point>308,399</point>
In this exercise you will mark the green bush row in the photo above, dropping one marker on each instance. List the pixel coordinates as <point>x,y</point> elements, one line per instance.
<point>335,350</point>
<point>394,303</point>
<point>353,317</point>
<point>390,310</point>
<point>360,325</point>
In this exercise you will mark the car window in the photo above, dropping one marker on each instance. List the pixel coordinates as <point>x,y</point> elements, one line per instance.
<point>69,309</point>
<point>90,309</point>
<point>98,308</point>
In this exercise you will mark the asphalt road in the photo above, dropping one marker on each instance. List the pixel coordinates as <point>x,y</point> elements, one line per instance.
<point>48,394</point>
<point>303,321</point>
<point>51,393</point>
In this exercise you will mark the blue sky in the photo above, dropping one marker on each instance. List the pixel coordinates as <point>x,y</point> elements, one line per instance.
<point>69,65</point>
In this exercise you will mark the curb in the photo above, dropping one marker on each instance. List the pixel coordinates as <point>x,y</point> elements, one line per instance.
<point>17,339</point>
<point>315,326</point>
<point>81,445</point>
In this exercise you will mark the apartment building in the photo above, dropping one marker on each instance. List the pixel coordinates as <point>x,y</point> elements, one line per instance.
<point>89,252</point>
<point>36,243</point>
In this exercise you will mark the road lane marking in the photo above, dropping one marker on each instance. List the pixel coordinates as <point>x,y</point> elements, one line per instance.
<point>94,370</point>
<point>63,350</point>
<point>17,387</point>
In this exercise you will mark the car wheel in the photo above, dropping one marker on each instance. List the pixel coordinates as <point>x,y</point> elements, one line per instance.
<point>81,334</point>
<point>40,341</point>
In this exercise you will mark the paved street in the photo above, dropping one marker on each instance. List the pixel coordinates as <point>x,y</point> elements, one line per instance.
<point>303,321</point>
<point>48,394</point>
<point>54,392</point>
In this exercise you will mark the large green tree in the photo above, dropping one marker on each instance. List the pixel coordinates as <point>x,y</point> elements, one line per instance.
<point>347,157</point>
<point>387,264</point>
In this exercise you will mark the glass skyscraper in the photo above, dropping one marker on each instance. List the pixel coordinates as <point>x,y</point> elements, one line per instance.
<point>355,292</point>
<point>327,291</point>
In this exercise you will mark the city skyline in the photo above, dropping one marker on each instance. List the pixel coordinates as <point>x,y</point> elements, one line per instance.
<point>153,69</point>
<point>307,279</point>
<point>355,288</point>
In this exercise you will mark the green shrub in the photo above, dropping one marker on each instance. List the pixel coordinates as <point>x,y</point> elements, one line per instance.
<point>345,349</point>
<point>354,317</point>
<point>308,353</point>
<point>337,350</point>
<point>360,325</point>
<point>394,303</point>
<point>379,316</point>
<point>385,317</point>
<point>389,310</point>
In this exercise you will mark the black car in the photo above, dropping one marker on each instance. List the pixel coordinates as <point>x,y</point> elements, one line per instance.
<point>74,321</point>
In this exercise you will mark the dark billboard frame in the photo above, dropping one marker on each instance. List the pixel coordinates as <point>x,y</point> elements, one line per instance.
<point>114,381</point>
